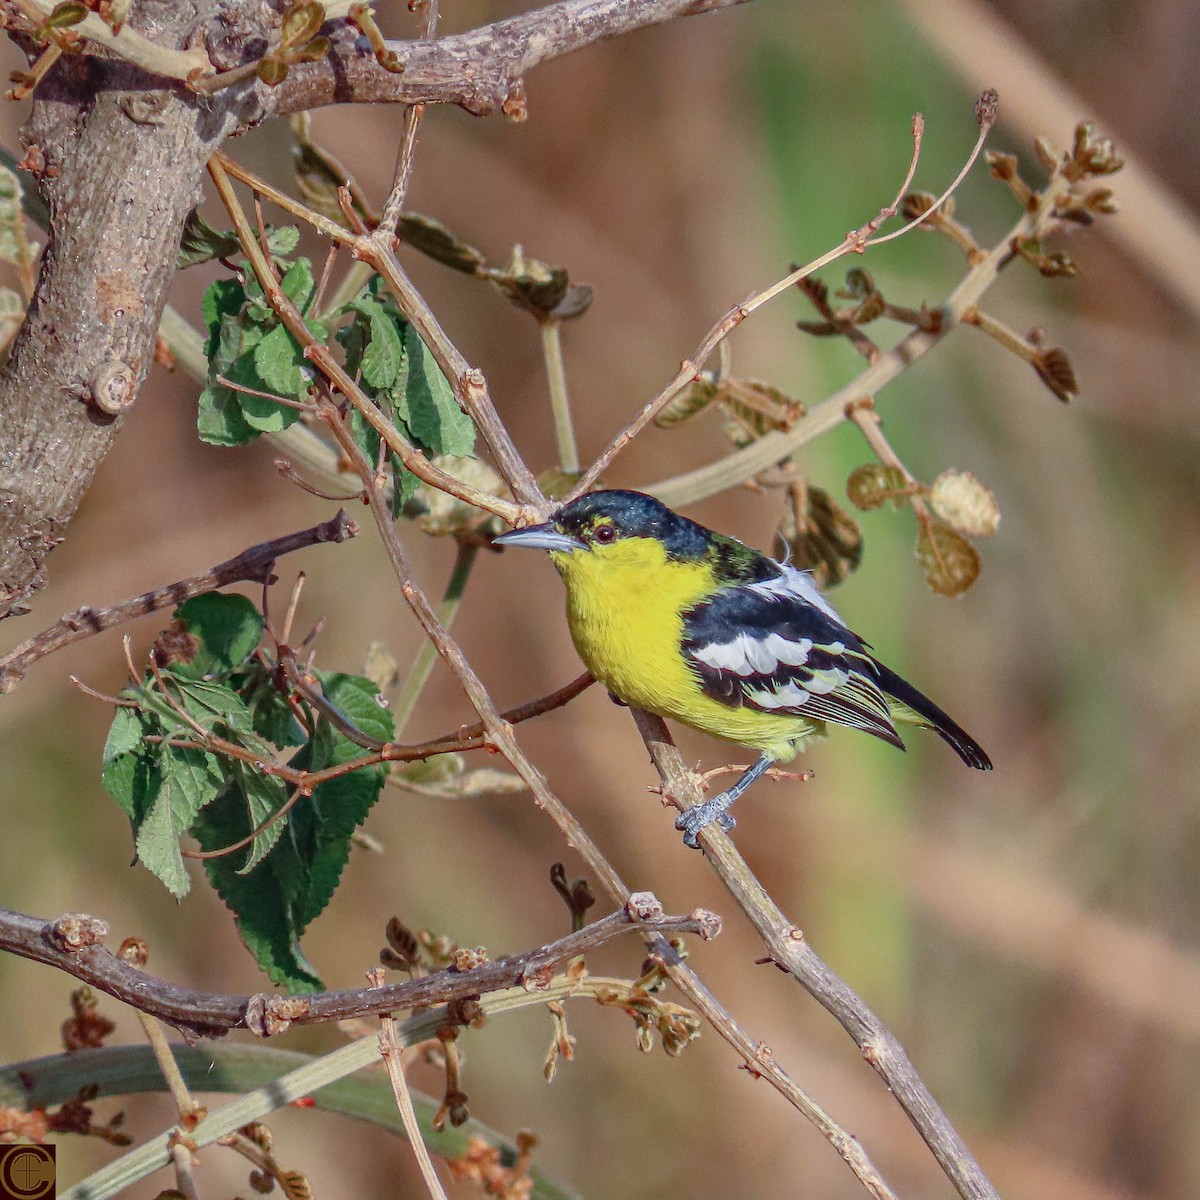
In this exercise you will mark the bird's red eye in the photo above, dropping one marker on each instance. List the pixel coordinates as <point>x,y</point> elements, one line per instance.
<point>604,534</point>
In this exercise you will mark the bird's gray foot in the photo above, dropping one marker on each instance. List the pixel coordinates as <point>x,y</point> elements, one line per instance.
<point>695,819</point>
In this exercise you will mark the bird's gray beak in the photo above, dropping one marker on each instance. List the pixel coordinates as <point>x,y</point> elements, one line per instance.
<point>540,537</point>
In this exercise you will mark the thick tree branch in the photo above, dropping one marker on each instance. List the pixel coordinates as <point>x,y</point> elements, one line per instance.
<point>482,71</point>
<point>73,943</point>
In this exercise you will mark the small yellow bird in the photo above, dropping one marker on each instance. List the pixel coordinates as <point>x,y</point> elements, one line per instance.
<point>695,626</point>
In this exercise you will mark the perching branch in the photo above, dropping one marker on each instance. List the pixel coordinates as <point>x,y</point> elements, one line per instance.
<point>253,565</point>
<point>74,943</point>
<point>791,951</point>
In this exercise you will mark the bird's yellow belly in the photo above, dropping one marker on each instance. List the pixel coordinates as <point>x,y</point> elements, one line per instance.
<point>627,625</point>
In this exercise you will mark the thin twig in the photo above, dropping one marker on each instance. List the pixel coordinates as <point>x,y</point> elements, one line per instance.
<point>408,139</point>
<point>855,242</point>
<point>736,468</point>
<point>560,400</point>
<point>389,1049</point>
<point>253,565</point>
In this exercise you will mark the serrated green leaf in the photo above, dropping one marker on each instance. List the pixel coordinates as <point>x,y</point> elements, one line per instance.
<point>264,796</point>
<point>298,284</point>
<point>281,366</point>
<point>196,777</point>
<point>357,699</point>
<point>383,353</point>
<point>131,781</point>
<point>124,735</point>
<point>257,900</point>
<point>432,414</point>
<point>229,628</point>
<point>158,840</point>
<point>404,486</point>
<point>217,704</point>
<point>222,298</point>
<point>269,713</point>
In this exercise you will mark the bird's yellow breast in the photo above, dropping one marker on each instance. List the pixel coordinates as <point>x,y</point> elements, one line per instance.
<point>625,606</point>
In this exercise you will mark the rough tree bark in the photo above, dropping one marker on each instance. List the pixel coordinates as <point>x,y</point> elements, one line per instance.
<point>120,164</point>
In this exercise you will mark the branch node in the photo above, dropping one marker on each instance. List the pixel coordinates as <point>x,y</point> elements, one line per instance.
<point>644,906</point>
<point>269,1015</point>
<point>73,932</point>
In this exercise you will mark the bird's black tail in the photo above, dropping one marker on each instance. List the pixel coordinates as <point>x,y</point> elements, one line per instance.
<point>928,713</point>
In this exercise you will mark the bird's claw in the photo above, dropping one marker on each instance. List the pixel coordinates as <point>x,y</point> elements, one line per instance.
<point>695,819</point>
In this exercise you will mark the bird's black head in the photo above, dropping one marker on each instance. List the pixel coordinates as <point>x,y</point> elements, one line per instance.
<point>601,518</point>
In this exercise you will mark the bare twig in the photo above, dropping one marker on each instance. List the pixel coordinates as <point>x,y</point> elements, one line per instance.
<point>212,1014</point>
<point>253,565</point>
<point>389,1049</point>
<point>408,140</point>
<point>774,447</point>
<point>855,242</point>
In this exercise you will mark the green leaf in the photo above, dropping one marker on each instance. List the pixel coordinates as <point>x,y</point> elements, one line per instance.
<point>158,838</point>
<point>270,714</point>
<point>298,284</point>
<point>229,628</point>
<point>222,298</point>
<point>951,564</point>
<point>66,14</point>
<point>131,780</point>
<point>383,353</point>
<point>874,484</point>
<point>257,900</point>
<point>219,420</point>
<point>124,735</point>
<point>317,844</point>
<point>197,775</point>
<point>264,795</point>
<point>431,411</point>
<point>282,368</point>
<point>282,240</point>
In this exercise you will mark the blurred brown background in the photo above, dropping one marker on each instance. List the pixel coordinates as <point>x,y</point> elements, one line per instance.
<point>1032,935</point>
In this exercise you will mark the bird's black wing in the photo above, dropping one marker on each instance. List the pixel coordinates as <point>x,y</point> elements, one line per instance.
<point>776,646</point>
